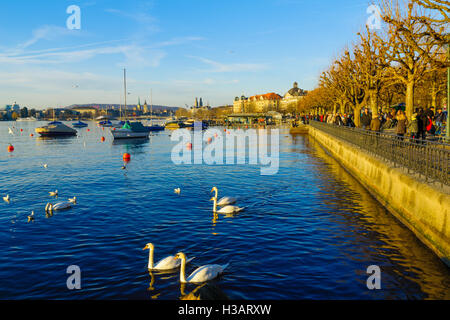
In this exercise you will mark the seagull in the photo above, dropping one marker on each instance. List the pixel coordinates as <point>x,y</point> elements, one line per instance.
<point>6,199</point>
<point>177,190</point>
<point>53,194</point>
<point>45,165</point>
<point>10,131</point>
<point>31,216</point>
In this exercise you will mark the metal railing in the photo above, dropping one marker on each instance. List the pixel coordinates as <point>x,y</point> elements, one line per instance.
<point>426,158</point>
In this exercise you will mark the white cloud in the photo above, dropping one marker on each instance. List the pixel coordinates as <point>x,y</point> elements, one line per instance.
<point>231,67</point>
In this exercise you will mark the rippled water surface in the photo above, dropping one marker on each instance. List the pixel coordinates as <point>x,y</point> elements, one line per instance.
<point>308,232</point>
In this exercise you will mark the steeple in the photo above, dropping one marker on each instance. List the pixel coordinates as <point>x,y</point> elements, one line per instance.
<point>201,102</point>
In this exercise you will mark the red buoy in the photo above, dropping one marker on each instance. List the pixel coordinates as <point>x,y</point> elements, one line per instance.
<point>189,145</point>
<point>31,135</point>
<point>225,130</point>
<point>10,148</point>
<point>215,135</point>
<point>126,157</point>
<point>88,129</point>
<point>21,130</point>
<point>102,139</point>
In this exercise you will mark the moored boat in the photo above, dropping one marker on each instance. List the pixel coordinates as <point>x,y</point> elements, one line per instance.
<point>131,130</point>
<point>56,129</point>
<point>79,124</point>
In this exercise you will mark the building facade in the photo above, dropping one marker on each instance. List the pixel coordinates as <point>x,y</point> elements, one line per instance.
<point>291,98</point>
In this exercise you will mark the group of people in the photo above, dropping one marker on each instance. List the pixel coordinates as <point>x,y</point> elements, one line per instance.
<point>423,122</point>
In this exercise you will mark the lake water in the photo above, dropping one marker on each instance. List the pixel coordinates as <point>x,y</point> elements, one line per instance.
<point>308,232</point>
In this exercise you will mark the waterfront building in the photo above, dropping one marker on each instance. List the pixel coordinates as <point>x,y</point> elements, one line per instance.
<point>292,97</point>
<point>239,104</point>
<point>82,110</point>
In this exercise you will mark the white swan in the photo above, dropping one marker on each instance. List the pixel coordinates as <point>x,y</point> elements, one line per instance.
<point>53,193</point>
<point>58,206</point>
<point>201,274</point>
<point>224,200</point>
<point>31,216</point>
<point>226,209</point>
<point>177,190</point>
<point>168,263</point>
<point>73,200</point>
<point>7,198</point>
<point>10,131</point>
<point>45,165</point>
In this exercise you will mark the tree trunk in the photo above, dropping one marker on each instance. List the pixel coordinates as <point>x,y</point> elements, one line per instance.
<point>409,98</point>
<point>357,116</point>
<point>373,102</point>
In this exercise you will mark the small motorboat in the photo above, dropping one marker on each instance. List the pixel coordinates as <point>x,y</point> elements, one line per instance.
<point>56,129</point>
<point>105,124</point>
<point>131,130</point>
<point>79,124</point>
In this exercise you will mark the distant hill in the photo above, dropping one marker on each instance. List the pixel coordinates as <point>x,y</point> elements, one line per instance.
<point>117,106</point>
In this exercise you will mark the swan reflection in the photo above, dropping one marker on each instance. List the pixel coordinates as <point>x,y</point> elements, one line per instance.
<point>206,291</point>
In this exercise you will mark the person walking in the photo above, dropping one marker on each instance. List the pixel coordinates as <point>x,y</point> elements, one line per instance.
<point>402,122</point>
<point>366,119</point>
<point>413,127</point>
<point>375,124</point>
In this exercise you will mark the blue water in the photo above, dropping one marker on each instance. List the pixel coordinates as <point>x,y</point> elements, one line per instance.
<point>308,232</point>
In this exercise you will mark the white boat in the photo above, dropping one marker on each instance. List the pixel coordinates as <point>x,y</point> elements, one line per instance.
<point>56,129</point>
<point>26,119</point>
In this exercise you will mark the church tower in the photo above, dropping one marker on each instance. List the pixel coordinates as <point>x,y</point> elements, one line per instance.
<point>145,107</point>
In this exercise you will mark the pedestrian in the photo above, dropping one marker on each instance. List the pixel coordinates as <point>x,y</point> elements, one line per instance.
<point>375,124</point>
<point>402,122</point>
<point>413,127</point>
<point>366,119</point>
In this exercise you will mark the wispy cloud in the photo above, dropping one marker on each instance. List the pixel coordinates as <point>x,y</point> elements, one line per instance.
<point>230,67</point>
<point>145,20</point>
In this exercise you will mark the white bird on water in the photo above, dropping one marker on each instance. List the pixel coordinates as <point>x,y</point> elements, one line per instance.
<point>45,165</point>
<point>10,131</point>
<point>73,200</point>
<point>177,190</point>
<point>31,216</point>
<point>7,198</point>
<point>58,206</point>
<point>53,193</point>
<point>201,274</point>
<point>225,209</point>
<point>223,201</point>
<point>168,263</point>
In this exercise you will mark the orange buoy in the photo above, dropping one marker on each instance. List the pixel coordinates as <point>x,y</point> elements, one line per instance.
<point>114,129</point>
<point>102,139</point>
<point>31,135</point>
<point>103,128</point>
<point>126,157</point>
<point>189,145</point>
<point>225,130</point>
<point>209,140</point>
<point>10,148</point>
<point>215,135</point>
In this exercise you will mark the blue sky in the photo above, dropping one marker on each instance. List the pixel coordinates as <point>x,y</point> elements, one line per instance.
<point>178,49</point>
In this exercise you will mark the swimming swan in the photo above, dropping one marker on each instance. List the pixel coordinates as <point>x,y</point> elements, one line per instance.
<point>224,200</point>
<point>58,206</point>
<point>7,198</point>
<point>73,200</point>
<point>31,216</point>
<point>201,274</point>
<point>226,209</point>
<point>168,263</point>
<point>177,190</point>
<point>53,193</point>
